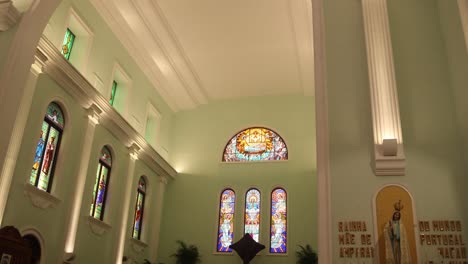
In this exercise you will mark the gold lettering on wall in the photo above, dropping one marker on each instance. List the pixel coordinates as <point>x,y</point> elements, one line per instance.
<point>354,240</point>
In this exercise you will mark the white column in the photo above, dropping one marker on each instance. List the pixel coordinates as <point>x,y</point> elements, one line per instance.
<point>463,8</point>
<point>74,217</point>
<point>156,222</point>
<point>18,131</point>
<point>133,152</point>
<point>388,141</point>
<point>9,15</point>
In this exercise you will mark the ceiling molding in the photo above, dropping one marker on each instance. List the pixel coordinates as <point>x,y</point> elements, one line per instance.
<point>163,34</point>
<point>120,28</point>
<point>300,15</point>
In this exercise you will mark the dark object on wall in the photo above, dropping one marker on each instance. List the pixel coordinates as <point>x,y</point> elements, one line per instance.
<point>306,255</point>
<point>186,254</point>
<point>247,248</point>
<point>13,249</point>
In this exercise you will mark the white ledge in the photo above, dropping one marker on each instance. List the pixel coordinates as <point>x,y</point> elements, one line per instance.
<point>138,245</point>
<point>40,198</point>
<point>97,226</point>
<point>9,15</point>
<point>389,165</point>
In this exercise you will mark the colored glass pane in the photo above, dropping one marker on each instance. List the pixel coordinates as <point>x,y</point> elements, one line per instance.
<point>100,185</point>
<point>140,203</point>
<point>113,93</point>
<point>226,221</point>
<point>278,221</point>
<point>55,115</point>
<point>252,214</point>
<point>67,44</point>
<point>255,144</point>
<point>47,148</point>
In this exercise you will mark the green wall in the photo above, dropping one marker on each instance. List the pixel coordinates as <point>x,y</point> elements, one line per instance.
<point>434,172</point>
<point>191,201</point>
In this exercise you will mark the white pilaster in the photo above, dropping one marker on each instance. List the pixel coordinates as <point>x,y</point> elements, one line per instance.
<point>156,221</point>
<point>133,153</point>
<point>18,131</point>
<point>463,8</point>
<point>73,219</point>
<point>9,15</point>
<point>389,156</point>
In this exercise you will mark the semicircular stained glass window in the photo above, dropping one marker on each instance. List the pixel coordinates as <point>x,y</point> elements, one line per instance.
<point>255,144</point>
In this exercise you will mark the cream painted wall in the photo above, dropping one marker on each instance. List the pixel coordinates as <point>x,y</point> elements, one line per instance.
<point>435,172</point>
<point>191,202</point>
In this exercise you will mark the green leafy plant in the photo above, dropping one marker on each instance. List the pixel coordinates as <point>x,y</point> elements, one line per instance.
<point>186,254</point>
<point>306,255</point>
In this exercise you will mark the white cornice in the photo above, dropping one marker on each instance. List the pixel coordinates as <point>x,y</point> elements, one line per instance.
<point>118,26</point>
<point>162,32</point>
<point>57,67</point>
<point>300,16</point>
<point>147,36</point>
<point>9,15</point>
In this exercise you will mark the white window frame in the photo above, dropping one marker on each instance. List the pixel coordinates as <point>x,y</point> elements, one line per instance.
<point>124,86</point>
<point>153,114</point>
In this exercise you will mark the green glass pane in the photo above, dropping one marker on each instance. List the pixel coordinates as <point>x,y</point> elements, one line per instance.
<point>113,93</point>
<point>94,190</point>
<point>67,44</point>
<point>54,114</point>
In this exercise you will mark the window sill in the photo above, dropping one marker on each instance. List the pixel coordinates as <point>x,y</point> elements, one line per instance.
<point>40,198</point>
<point>138,245</point>
<point>97,226</point>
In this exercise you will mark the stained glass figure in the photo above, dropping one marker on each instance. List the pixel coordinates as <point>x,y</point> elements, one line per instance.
<point>226,220</point>
<point>252,214</point>
<point>100,186</point>
<point>113,93</point>
<point>67,44</point>
<point>140,204</point>
<point>278,226</point>
<point>47,148</point>
<point>255,144</point>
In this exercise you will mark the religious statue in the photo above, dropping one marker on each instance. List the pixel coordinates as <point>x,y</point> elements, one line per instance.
<point>396,242</point>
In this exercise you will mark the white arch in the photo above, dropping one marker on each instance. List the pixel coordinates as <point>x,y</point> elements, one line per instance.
<point>29,230</point>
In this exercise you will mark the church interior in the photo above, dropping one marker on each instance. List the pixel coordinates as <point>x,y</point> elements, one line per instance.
<point>133,127</point>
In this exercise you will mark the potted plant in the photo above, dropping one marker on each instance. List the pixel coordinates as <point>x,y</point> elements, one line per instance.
<point>306,255</point>
<point>186,254</point>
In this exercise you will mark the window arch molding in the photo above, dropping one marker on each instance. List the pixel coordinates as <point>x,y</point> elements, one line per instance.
<point>102,179</point>
<point>58,127</point>
<point>265,145</point>
<point>32,231</point>
<point>140,216</point>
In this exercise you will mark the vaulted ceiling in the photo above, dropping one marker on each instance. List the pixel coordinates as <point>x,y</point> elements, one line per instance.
<point>195,52</point>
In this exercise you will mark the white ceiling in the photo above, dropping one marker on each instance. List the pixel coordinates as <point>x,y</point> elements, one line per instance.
<point>205,50</point>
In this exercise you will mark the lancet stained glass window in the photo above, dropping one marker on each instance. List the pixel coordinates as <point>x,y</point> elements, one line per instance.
<point>47,148</point>
<point>113,93</point>
<point>226,220</point>
<point>252,214</point>
<point>101,183</point>
<point>139,208</point>
<point>67,44</point>
<point>255,144</point>
<point>278,230</point>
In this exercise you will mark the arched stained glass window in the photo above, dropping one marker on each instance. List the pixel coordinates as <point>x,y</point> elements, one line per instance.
<point>139,208</point>
<point>47,148</point>
<point>252,214</point>
<point>255,144</point>
<point>278,230</point>
<point>227,204</point>
<point>101,183</point>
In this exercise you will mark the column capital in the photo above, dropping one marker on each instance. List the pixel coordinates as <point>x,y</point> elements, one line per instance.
<point>9,15</point>
<point>93,112</point>
<point>163,179</point>
<point>133,150</point>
